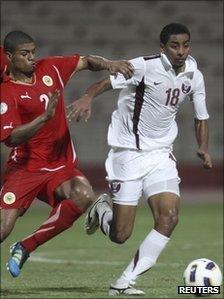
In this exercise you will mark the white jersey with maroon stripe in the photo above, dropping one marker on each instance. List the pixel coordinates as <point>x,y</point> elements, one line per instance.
<point>149,101</point>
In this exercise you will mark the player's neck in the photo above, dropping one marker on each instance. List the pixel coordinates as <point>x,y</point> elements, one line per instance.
<point>21,77</point>
<point>179,70</point>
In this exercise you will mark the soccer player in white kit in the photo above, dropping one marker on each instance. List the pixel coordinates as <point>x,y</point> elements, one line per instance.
<point>141,135</point>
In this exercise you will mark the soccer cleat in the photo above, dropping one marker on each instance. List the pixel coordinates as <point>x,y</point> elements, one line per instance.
<point>132,282</point>
<point>92,219</point>
<point>129,290</point>
<point>19,256</point>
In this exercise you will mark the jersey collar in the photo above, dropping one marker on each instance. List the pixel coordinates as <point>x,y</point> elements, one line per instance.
<point>190,65</point>
<point>24,83</point>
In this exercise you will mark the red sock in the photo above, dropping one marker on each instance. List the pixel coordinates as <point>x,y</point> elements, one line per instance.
<point>61,218</point>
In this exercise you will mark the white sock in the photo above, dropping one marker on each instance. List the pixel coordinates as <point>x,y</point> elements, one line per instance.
<point>145,257</point>
<point>105,217</point>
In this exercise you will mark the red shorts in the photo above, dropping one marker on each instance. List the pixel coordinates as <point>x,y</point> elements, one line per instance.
<point>21,187</point>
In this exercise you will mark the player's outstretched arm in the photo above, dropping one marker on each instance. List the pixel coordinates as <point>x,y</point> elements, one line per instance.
<point>97,63</point>
<point>202,134</point>
<point>23,133</point>
<point>81,108</point>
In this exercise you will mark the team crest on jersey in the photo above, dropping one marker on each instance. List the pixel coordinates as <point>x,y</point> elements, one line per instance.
<point>47,80</point>
<point>4,108</point>
<point>115,186</point>
<point>186,87</point>
<point>9,198</point>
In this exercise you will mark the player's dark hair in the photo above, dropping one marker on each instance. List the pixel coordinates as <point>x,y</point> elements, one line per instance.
<point>173,28</point>
<point>15,38</point>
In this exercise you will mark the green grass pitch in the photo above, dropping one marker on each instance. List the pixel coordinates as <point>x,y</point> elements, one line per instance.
<point>74,265</point>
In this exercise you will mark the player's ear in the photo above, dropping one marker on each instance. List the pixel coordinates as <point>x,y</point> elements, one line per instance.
<point>162,47</point>
<point>9,55</point>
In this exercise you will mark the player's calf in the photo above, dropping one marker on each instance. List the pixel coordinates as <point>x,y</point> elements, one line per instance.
<point>8,219</point>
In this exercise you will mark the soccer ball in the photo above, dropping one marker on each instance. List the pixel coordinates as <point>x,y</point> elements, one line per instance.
<point>202,272</point>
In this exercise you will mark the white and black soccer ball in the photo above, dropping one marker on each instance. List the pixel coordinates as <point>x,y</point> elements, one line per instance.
<point>202,272</point>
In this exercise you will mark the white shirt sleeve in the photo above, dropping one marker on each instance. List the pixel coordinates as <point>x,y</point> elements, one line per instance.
<point>139,71</point>
<point>198,97</point>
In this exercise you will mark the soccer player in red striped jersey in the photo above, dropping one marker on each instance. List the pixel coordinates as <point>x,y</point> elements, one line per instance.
<point>42,162</point>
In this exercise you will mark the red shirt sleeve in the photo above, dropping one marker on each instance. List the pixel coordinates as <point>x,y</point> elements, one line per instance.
<point>64,66</point>
<point>10,118</point>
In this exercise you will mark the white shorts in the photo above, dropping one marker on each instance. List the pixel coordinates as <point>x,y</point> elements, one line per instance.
<point>132,174</point>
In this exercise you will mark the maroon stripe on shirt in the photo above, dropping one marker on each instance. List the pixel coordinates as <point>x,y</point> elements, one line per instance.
<point>139,94</point>
<point>152,57</point>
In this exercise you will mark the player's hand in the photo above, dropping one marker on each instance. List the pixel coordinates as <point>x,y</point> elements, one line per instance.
<point>79,109</point>
<point>121,66</point>
<point>206,159</point>
<point>51,107</point>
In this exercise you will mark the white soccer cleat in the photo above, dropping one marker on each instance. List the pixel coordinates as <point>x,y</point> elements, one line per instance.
<point>92,218</point>
<point>132,282</point>
<point>129,290</point>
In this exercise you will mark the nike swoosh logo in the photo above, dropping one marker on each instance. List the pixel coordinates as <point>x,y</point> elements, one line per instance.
<point>157,83</point>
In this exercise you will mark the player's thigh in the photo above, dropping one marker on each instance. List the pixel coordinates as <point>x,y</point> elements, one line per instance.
<point>164,179</point>
<point>125,196</point>
<point>126,192</point>
<point>19,189</point>
<point>161,187</point>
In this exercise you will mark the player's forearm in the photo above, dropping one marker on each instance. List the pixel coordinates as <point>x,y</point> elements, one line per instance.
<point>98,88</point>
<point>23,133</point>
<point>97,63</point>
<point>202,134</point>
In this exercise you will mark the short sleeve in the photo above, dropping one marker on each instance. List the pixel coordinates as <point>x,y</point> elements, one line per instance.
<point>10,118</point>
<point>198,97</point>
<point>64,66</point>
<point>120,82</point>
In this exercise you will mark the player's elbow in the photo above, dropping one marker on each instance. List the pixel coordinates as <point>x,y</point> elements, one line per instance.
<point>89,61</point>
<point>12,141</point>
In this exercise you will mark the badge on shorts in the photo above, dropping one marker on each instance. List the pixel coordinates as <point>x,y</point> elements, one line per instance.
<point>4,108</point>
<point>47,80</point>
<point>9,198</point>
<point>115,186</point>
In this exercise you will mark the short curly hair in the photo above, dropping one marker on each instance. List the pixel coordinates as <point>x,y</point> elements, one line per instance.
<point>15,38</point>
<point>173,28</point>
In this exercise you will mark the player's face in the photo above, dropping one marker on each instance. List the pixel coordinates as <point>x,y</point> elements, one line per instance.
<point>177,49</point>
<point>23,58</point>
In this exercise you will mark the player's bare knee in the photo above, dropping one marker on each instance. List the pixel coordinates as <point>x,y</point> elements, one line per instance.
<point>168,219</point>
<point>83,196</point>
<point>119,236</point>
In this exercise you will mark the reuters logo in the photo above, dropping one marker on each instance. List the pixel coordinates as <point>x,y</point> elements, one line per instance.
<point>47,80</point>
<point>9,198</point>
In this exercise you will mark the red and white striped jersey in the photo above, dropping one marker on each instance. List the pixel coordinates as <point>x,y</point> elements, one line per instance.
<point>51,148</point>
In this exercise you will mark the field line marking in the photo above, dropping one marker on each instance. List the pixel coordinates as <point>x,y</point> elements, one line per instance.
<point>63,261</point>
<point>41,259</point>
